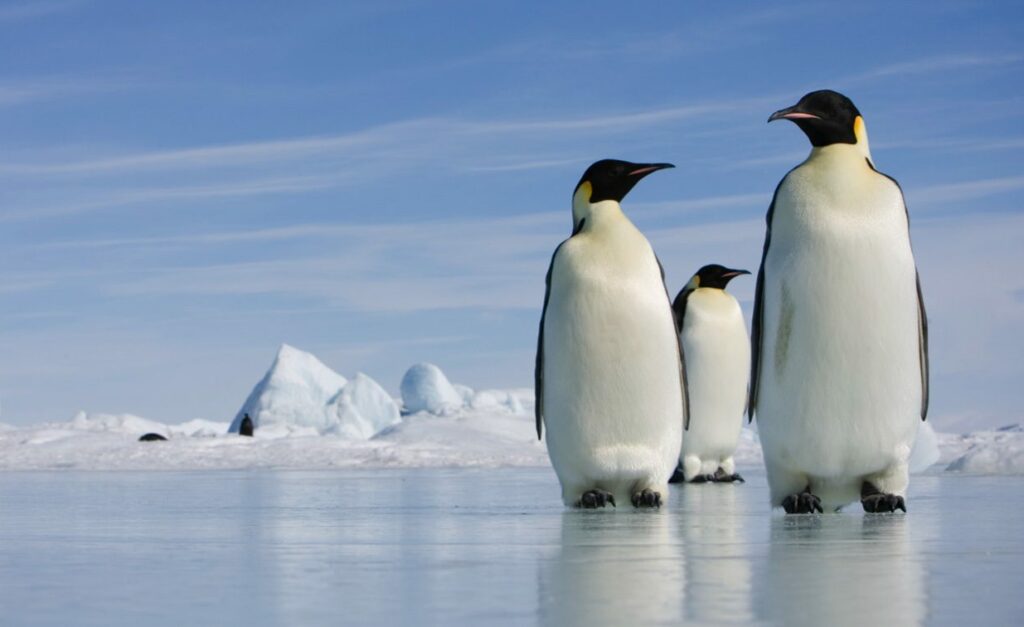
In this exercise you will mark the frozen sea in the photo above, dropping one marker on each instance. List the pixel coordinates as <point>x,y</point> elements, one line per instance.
<point>491,547</point>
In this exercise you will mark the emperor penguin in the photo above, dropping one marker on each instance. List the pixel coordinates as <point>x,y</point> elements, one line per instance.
<point>609,380</point>
<point>717,349</point>
<point>839,375</point>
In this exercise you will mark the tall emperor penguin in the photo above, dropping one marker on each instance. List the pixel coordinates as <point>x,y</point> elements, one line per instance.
<point>610,383</point>
<point>839,375</point>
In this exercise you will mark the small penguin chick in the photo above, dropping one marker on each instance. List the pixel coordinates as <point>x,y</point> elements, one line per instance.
<point>716,349</point>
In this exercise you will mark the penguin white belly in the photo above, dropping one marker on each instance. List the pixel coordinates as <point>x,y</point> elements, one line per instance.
<point>839,393</point>
<point>612,396</point>
<point>717,351</point>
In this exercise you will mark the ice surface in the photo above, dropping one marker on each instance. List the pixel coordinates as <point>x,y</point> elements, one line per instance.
<point>300,396</point>
<point>425,388</point>
<point>491,547</point>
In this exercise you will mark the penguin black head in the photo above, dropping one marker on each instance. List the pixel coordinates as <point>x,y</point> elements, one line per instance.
<point>611,179</point>
<point>827,117</point>
<point>714,275</point>
<point>607,179</point>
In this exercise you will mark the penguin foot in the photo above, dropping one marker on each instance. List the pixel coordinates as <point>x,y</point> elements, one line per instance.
<point>883,503</point>
<point>803,503</point>
<point>721,477</point>
<point>876,502</point>
<point>647,498</point>
<point>593,499</point>
<point>702,478</point>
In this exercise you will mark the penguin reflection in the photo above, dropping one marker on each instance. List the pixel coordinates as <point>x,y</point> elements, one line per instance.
<point>718,570</point>
<point>842,570</point>
<point>624,569</point>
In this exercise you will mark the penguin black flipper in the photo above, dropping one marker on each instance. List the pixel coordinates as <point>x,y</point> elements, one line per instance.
<point>757,319</point>
<point>679,307</point>
<point>538,370</point>
<point>678,322</point>
<point>922,315</point>
<point>922,347</point>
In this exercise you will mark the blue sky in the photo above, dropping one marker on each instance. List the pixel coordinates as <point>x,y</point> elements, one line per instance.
<point>184,186</point>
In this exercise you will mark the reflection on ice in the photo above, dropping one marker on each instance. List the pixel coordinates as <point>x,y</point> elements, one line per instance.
<point>718,571</point>
<point>863,570</point>
<point>614,568</point>
<point>481,547</point>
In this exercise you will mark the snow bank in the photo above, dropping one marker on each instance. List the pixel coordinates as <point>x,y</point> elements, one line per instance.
<point>465,438</point>
<point>301,396</point>
<point>999,452</point>
<point>309,416</point>
<point>425,388</point>
<point>120,423</point>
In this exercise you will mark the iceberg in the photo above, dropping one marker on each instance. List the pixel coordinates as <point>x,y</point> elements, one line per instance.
<point>362,409</point>
<point>425,388</point>
<point>300,396</point>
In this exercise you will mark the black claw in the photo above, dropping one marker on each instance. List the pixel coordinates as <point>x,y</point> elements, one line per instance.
<point>803,503</point>
<point>720,476</point>
<point>594,499</point>
<point>877,502</point>
<point>647,498</point>
<point>883,503</point>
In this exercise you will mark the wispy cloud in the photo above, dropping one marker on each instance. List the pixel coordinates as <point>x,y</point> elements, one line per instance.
<point>26,91</point>
<point>416,139</point>
<point>966,190</point>
<point>693,205</point>
<point>523,165</point>
<point>147,196</point>
<point>20,11</point>
<point>931,65</point>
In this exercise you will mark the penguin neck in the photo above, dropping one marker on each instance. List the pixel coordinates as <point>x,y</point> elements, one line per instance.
<point>860,150</point>
<point>840,154</point>
<point>598,215</point>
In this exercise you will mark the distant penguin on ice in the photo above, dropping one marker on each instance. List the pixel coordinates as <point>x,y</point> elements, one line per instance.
<point>246,428</point>
<point>839,376</point>
<point>610,384</point>
<point>717,349</point>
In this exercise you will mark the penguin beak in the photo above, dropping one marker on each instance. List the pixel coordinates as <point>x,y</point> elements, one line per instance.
<point>792,113</point>
<point>734,273</point>
<point>643,169</point>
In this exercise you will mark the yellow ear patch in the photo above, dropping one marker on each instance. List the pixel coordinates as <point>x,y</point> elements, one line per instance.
<point>585,191</point>
<point>860,131</point>
<point>694,282</point>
